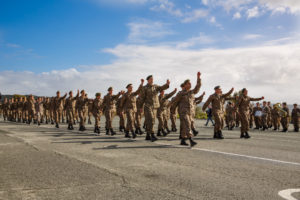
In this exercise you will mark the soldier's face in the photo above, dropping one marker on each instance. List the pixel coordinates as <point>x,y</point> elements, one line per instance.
<point>219,91</point>
<point>71,94</point>
<point>98,97</point>
<point>188,86</point>
<point>129,88</point>
<point>295,106</point>
<point>150,81</point>
<point>245,92</point>
<point>58,94</point>
<point>264,103</point>
<point>257,104</point>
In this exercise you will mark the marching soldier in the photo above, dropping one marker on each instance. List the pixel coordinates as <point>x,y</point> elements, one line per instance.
<point>275,118</point>
<point>58,107</point>
<point>5,109</point>
<point>265,115</point>
<point>269,120</point>
<point>230,116</point>
<point>185,100</point>
<point>162,111</point>
<point>197,101</point>
<point>121,115</point>
<point>138,116</point>
<point>285,120</point>
<point>19,109</point>
<point>149,100</point>
<point>97,110</point>
<point>70,109</point>
<point>47,110</point>
<point>128,104</point>
<point>217,100</point>
<point>82,107</point>
<point>30,108</point>
<point>109,102</point>
<point>257,116</point>
<point>243,105</point>
<point>39,108</point>
<point>295,117</point>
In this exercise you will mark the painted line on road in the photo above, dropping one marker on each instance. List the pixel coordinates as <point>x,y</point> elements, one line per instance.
<point>287,194</point>
<point>234,154</point>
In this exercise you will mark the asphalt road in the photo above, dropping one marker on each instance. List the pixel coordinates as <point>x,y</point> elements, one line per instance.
<point>48,163</point>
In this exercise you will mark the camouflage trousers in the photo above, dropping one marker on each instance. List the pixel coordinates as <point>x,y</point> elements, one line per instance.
<point>162,120</point>
<point>122,119</point>
<point>70,115</point>
<point>251,117</point>
<point>185,125</point>
<point>285,122</point>
<point>31,115</point>
<point>244,116</point>
<point>230,120</point>
<point>109,114</point>
<point>130,119</point>
<point>57,115</point>
<point>138,119</point>
<point>264,120</point>
<point>150,115</point>
<point>219,121</point>
<point>269,120</point>
<point>276,122</point>
<point>257,121</point>
<point>97,116</point>
<point>82,116</point>
<point>296,123</point>
<point>173,120</point>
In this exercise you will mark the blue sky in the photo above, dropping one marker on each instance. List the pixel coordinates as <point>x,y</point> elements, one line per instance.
<point>59,36</point>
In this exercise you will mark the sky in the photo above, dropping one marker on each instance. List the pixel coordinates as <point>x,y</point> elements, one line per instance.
<point>66,45</point>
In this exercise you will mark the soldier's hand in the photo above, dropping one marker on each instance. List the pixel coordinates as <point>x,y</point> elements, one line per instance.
<point>203,93</point>
<point>142,81</point>
<point>78,91</point>
<point>175,89</point>
<point>122,92</point>
<point>198,74</point>
<point>232,89</point>
<point>262,97</point>
<point>168,82</point>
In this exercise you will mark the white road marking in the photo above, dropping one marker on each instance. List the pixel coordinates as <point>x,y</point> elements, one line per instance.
<point>234,154</point>
<point>287,194</point>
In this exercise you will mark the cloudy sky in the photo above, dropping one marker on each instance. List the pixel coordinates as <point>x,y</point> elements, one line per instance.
<point>93,44</point>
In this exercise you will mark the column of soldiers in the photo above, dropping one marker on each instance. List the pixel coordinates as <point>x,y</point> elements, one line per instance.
<point>151,101</point>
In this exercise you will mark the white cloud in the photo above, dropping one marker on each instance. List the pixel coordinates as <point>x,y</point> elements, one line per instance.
<point>11,45</point>
<point>237,15</point>
<point>145,30</point>
<point>290,6</point>
<point>195,15</point>
<point>252,12</point>
<point>195,41</point>
<point>251,36</point>
<point>238,67</point>
<point>169,7</point>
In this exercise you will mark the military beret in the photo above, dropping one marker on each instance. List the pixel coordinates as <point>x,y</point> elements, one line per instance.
<point>284,103</point>
<point>70,92</point>
<point>182,85</point>
<point>128,85</point>
<point>109,89</point>
<point>264,102</point>
<point>98,94</point>
<point>243,90</point>
<point>217,87</point>
<point>148,77</point>
<point>81,91</point>
<point>58,92</point>
<point>295,104</point>
<point>186,81</point>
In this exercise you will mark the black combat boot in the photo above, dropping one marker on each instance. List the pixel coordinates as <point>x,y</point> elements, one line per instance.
<point>168,130</point>
<point>112,132</point>
<point>52,122</point>
<point>284,130</point>
<point>296,129</point>
<point>57,126</point>
<point>140,131</point>
<point>127,134</point>
<point>173,129</point>
<point>183,142</point>
<point>80,128</point>
<point>137,131</point>
<point>153,138</point>
<point>247,136</point>
<point>121,129</point>
<point>133,134</point>
<point>107,131</point>
<point>220,134</point>
<point>39,123</point>
<point>72,128</point>
<point>192,142</point>
<point>159,133</point>
<point>242,135</point>
<point>95,129</point>
<point>216,135</point>
<point>164,132</point>
<point>194,132</point>
<point>69,127</point>
<point>148,137</point>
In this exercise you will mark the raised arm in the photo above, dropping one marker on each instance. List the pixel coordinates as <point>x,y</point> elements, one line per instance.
<point>164,87</point>
<point>200,98</point>
<point>198,84</point>
<point>228,93</point>
<point>257,99</point>
<point>139,89</point>
<point>167,96</point>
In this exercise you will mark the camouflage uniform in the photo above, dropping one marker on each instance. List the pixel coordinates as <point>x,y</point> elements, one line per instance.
<point>97,110</point>
<point>138,116</point>
<point>82,107</point>
<point>109,102</point>
<point>275,118</point>
<point>265,116</point>
<point>58,108</point>
<point>70,110</point>
<point>285,120</point>
<point>295,118</point>
<point>121,115</point>
<point>257,119</point>
<point>31,110</point>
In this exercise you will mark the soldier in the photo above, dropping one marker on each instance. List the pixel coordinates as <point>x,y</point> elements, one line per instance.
<point>269,120</point>
<point>230,115</point>
<point>90,110</point>
<point>14,107</point>
<point>275,118</point>
<point>285,120</point>
<point>39,108</point>
<point>217,100</point>
<point>109,102</point>
<point>162,112</point>
<point>149,100</point>
<point>251,115</point>
<point>19,109</point>
<point>97,110</point>
<point>82,107</point>
<point>70,109</point>
<point>47,110</point>
<point>197,101</point>
<point>128,104</point>
<point>243,105</point>
<point>265,115</point>
<point>257,112</point>
<point>295,117</point>
<point>138,116</point>
<point>30,108</point>
<point>174,111</point>
<point>5,109</point>
<point>52,106</point>
<point>185,100</point>
<point>121,115</point>
<point>58,107</point>
<point>25,110</point>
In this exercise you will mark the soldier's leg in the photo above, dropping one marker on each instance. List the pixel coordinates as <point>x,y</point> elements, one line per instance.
<point>160,121</point>
<point>150,115</point>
